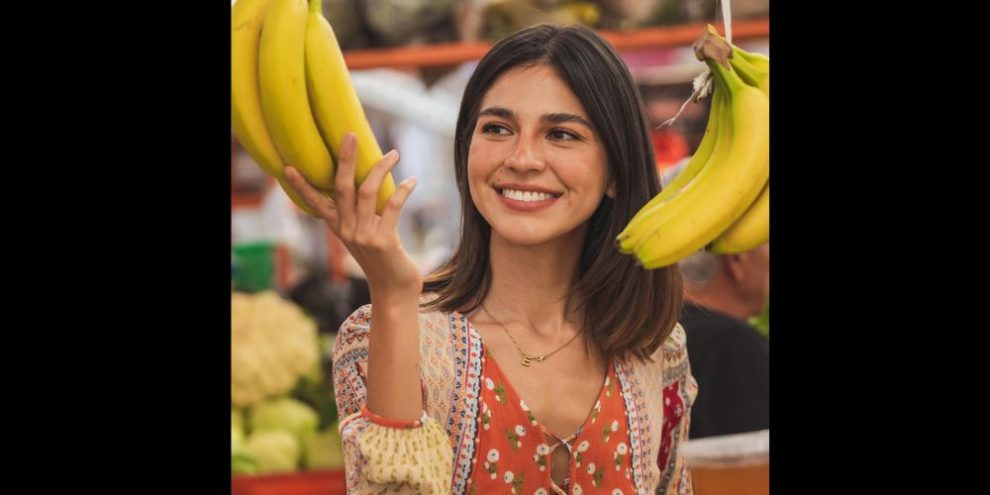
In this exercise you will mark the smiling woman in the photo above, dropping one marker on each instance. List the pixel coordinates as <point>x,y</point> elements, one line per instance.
<point>557,78</point>
<point>538,359</point>
<point>536,165</point>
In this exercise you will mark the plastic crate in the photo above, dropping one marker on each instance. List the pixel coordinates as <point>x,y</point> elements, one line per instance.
<point>254,266</point>
<point>328,482</point>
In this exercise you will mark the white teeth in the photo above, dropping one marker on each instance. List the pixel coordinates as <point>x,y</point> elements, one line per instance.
<point>527,196</point>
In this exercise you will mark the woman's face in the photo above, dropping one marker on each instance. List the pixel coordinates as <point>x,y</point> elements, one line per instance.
<point>536,168</point>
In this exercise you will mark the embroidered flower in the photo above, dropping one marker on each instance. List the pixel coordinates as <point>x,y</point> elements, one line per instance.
<point>596,480</point>
<point>513,439</point>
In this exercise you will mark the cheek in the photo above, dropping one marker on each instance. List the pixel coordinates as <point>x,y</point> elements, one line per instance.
<point>591,178</point>
<point>473,183</point>
<point>597,171</point>
<point>480,161</point>
<point>477,172</point>
<point>760,282</point>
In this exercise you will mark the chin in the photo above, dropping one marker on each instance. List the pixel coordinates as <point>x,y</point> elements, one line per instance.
<point>530,233</point>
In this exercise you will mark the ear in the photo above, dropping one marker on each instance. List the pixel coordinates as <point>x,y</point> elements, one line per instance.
<point>734,265</point>
<point>610,189</point>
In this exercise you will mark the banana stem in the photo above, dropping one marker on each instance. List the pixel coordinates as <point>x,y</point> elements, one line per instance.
<point>711,46</point>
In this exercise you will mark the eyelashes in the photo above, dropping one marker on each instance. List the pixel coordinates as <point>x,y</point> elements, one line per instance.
<point>555,134</point>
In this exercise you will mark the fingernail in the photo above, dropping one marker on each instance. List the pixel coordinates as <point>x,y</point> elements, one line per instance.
<point>349,139</point>
<point>393,154</point>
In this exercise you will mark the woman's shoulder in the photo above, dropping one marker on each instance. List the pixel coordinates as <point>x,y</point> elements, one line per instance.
<point>675,346</point>
<point>671,354</point>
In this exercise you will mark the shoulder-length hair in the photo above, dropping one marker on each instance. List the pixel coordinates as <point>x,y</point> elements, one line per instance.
<point>628,311</point>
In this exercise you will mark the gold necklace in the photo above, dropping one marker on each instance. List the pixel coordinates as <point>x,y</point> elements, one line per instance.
<point>527,359</point>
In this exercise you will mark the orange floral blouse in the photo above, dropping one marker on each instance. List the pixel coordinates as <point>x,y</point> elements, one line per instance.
<point>599,450</point>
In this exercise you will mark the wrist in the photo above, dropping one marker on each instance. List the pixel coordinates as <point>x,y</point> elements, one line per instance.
<point>395,296</point>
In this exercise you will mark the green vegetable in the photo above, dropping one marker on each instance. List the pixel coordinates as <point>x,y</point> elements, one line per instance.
<point>762,322</point>
<point>285,414</point>
<point>274,450</point>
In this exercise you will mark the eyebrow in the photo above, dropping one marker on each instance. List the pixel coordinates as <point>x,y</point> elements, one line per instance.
<point>553,118</point>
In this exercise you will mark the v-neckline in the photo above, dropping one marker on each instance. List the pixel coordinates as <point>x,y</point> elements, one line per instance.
<point>511,389</point>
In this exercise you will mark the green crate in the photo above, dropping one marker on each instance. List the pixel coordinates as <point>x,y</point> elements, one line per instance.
<point>255,266</point>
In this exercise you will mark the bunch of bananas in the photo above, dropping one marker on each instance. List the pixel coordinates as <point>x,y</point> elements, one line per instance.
<point>291,96</point>
<point>720,200</point>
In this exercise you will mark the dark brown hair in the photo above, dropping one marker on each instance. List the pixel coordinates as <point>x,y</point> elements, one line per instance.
<point>627,310</point>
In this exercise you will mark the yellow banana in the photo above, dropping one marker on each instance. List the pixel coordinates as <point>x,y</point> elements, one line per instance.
<point>750,231</point>
<point>758,60</point>
<point>753,68</point>
<point>295,196</point>
<point>334,101</point>
<point>641,229</point>
<point>246,117</point>
<point>282,69</point>
<point>690,170</point>
<point>727,186</point>
<point>753,74</point>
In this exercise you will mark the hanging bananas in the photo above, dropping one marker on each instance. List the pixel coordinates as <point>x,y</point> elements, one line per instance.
<point>720,199</point>
<point>291,96</point>
<point>752,229</point>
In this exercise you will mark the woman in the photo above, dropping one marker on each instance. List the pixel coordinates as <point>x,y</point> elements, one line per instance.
<point>539,359</point>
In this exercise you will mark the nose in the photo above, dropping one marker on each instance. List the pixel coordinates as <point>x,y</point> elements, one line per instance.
<point>526,156</point>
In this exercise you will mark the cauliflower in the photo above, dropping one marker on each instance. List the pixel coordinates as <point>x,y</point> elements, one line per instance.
<point>242,462</point>
<point>272,344</point>
<point>236,419</point>
<point>324,450</point>
<point>285,414</point>
<point>274,451</point>
<point>236,438</point>
<point>236,430</point>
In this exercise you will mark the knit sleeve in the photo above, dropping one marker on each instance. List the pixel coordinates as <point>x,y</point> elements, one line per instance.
<point>383,455</point>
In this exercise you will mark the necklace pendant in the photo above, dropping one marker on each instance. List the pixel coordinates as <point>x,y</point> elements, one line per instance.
<point>527,360</point>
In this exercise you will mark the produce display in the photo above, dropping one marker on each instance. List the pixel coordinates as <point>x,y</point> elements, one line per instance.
<point>283,417</point>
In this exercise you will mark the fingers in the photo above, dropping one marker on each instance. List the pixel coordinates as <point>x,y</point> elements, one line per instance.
<point>368,192</point>
<point>390,216</point>
<point>343,187</point>
<point>314,198</point>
